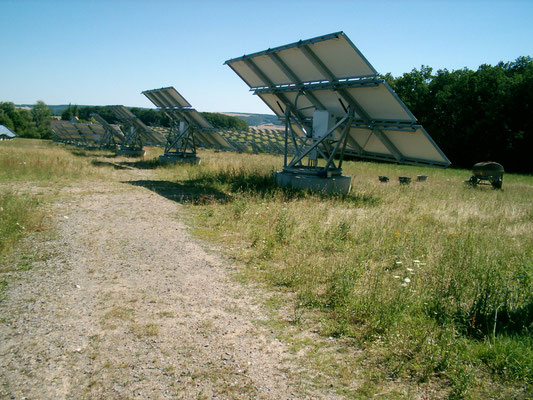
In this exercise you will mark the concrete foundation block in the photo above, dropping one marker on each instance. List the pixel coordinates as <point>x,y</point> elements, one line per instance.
<point>131,152</point>
<point>338,184</point>
<point>177,159</point>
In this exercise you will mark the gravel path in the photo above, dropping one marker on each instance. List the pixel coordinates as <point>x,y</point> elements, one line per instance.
<point>128,305</point>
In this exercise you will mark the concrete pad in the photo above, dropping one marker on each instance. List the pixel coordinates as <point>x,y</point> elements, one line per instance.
<point>131,152</point>
<point>338,184</point>
<point>178,159</point>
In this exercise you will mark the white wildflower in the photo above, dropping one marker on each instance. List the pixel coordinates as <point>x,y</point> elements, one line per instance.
<point>397,276</point>
<point>407,280</point>
<point>410,269</point>
<point>399,263</point>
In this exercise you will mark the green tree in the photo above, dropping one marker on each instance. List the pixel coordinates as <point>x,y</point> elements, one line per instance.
<point>70,112</point>
<point>41,113</point>
<point>5,120</point>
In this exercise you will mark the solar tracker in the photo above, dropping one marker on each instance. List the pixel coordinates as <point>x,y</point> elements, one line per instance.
<point>334,102</point>
<point>137,133</point>
<point>112,135</point>
<point>188,126</point>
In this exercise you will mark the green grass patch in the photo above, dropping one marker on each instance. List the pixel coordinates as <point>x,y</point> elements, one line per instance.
<point>19,215</point>
<point>433,280</point>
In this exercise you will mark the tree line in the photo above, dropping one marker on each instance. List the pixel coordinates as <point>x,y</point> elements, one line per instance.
<point>26,123</point>
<point>483,115</point>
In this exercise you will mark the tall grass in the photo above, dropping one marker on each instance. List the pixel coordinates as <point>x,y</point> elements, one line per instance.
<point>433,279</point>
<point>18,215</point>
<point>42,161</point>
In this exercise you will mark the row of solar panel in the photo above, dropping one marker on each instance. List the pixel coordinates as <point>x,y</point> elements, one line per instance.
<point>324,73</point>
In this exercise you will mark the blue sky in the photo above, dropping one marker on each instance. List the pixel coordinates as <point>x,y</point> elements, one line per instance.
<point>106,52</point>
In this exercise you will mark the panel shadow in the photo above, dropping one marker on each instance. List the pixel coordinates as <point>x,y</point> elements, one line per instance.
<point>183,193</point>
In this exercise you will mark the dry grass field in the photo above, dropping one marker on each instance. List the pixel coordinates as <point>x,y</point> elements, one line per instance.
<point>393,291</point>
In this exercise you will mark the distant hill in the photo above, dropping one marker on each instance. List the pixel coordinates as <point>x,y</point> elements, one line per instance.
<point>265,121</point>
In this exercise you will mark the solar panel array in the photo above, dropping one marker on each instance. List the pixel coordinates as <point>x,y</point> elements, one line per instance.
<point>330,73</point>
<point>257,141</point>
<point>252,140</point>
<point>82,134</point>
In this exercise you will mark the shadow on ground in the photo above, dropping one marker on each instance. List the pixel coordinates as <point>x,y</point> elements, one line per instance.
<point>211,188</point>
<point>264,186</point>
<point>93,153</point>
<point>115,165</point>
<point>183,193</point>
<point>142,164</point>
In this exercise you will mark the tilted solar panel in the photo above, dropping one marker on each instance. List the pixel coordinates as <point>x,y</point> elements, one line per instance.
<point>178,109</point>
<point>329,73</point>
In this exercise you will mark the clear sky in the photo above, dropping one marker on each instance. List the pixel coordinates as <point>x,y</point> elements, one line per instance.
<point>102,52</point>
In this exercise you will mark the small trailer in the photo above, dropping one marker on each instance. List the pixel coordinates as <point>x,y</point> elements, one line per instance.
<point>487,173</point>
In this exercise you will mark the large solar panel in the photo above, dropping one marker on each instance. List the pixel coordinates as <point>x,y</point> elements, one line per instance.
<point>178,109</point>
<point>329,73</point>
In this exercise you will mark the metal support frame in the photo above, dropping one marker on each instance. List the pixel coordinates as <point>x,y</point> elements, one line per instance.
<point>132,138</point>
<point>132,142</point>
<point>327,146</point>
<point>108,139</point>
<point>180,141</point>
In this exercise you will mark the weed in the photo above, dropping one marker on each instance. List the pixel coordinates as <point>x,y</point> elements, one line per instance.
<point>42,161</point>
<point>144,330</point>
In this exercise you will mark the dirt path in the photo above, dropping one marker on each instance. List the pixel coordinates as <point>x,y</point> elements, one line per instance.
<point>130,306</point>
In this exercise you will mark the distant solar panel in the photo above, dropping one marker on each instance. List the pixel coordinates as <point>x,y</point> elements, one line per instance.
<point>167,97</point>
<point>81,134</point>
<point>112,135</point>
<point>334,102</point>
<point>137,133</point>
<point>189,127</point>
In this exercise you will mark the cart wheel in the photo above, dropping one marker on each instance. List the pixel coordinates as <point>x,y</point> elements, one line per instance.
<point>497,184</point>
<point>473,181</point>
